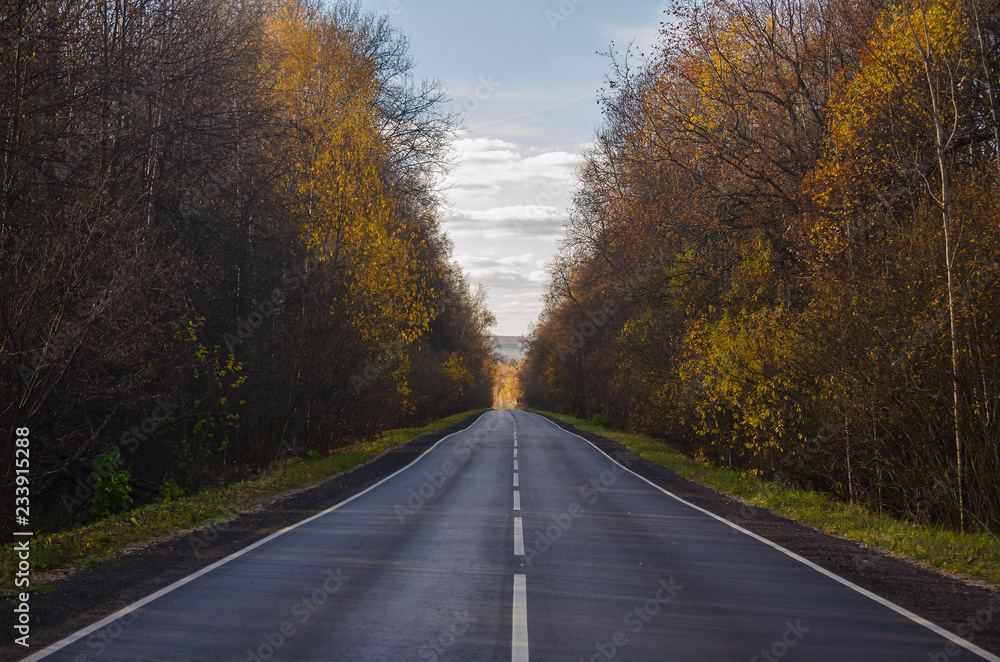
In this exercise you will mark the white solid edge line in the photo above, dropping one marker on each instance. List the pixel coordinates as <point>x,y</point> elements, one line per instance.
<point>518,537</point>
<point>80,634</point>
<point>517,500</point>
<point>519,624</point>
<point>902,611</point>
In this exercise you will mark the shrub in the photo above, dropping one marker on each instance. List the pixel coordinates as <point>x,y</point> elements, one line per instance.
<point>112,491</point>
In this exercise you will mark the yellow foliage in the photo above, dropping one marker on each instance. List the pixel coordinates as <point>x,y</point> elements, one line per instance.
<point>882,116</point>
<point>747,379</point>
<point>330,89</point>
<point>456,370</point>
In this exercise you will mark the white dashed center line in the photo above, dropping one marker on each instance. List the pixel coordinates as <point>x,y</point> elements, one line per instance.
<point>519,630</point>
<point>519,634</point>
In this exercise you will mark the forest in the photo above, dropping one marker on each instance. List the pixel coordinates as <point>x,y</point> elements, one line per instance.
<point>784,251</point>
<point>220,245</point>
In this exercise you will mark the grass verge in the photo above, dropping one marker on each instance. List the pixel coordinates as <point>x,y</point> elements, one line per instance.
<point>95,543</point>
<point>975,555</point>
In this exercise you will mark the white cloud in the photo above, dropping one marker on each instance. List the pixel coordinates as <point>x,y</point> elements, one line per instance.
<point>520,212</point>
<point>491,171</point>
<point>528,97</point>
<point>483,261</point>
<point>509,206</point>
<point>517,311</point>
<point>485,150</point>
<point>542,222</point>
<point>502,278</point>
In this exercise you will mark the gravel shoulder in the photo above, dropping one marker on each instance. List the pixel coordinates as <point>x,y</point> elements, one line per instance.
<point>961,605</point>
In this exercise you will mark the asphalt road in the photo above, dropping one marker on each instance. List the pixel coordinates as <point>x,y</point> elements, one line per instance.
<point>513,540</point>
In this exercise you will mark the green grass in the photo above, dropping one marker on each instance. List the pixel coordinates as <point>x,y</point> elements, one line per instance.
<point>105,539</point>
<point>975,555</point>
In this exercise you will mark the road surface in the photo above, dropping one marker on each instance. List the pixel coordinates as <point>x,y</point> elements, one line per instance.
<point>513,540</point>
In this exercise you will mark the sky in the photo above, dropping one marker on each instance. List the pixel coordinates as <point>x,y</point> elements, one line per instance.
<point>526,74</point>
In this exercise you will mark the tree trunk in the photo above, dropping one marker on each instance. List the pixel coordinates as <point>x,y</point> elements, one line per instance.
<point>943,145</point>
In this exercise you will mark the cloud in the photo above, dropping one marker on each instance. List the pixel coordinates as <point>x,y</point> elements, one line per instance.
<point>509,206</point>
<point>518,275</point>
<point>521,212</point>
<point>543,222</point>
<point>516,311</point>
<point>478,151</point>
<point>505,279</point>
<point>484,261</point>
<point>492,170</point>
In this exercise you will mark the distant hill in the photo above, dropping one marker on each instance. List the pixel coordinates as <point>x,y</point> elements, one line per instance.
<point>510,347</point>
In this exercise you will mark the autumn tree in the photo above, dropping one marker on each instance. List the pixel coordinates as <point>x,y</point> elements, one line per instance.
<point>221,241</point>
<point>784,230</point>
